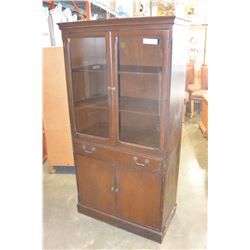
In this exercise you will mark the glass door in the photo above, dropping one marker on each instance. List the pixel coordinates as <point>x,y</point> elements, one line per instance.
<point>89,85</point>
<point>140,82</point>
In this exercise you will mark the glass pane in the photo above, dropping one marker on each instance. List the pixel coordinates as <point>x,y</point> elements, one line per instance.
<point>89,77</point>
<point>140,83</point>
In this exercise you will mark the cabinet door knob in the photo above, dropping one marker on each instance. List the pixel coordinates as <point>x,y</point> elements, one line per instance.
<point>111,88</point>
<point>113,189</point>
<point>146,162</point>
<point>92,149</point>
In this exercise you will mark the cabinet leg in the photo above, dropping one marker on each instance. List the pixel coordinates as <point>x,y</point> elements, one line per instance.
<point>192,109</point>
<point>52,169</point>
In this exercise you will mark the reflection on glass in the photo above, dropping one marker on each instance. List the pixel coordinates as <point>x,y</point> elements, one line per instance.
<point>89,77</point>
<point>140,83</point>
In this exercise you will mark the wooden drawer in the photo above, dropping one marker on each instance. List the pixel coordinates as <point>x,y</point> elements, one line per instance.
<point>113,155</point>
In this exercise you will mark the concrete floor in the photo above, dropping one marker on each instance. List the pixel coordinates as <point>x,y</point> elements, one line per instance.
<point>65,228</point>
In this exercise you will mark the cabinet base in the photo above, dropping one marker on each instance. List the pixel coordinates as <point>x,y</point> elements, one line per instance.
<point>129,226</point>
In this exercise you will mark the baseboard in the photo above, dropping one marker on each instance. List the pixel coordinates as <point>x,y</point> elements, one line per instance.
<point>129,226</point>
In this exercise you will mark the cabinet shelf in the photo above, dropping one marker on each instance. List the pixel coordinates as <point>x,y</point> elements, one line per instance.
<point>100,129</point>
<point>134,69</point>
<point>141,137</point>
<point>139,105</point>
<point>127,104</point>
<point>129,134</point>
<point>99,102</point>
<point>123,69</point>
<point>92,67</point>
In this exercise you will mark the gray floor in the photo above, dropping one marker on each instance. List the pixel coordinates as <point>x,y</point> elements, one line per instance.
<point>65,228</point>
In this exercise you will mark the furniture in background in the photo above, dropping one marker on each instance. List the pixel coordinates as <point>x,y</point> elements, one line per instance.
<point>192,82</point>
<point>186,100</point>
<point>190,73</point>
<point>55,110</point>
<point>197,95</point>
<point>126,84</point>
<point>204,116</point>
<point>45,154</point>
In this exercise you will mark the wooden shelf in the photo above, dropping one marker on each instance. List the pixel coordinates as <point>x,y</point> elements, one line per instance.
<point>128,134</point>
<point>92,67</point>
<point>100,129</point>
<point>127,104</point>
<point>100,102</point>
<point>139,105</point>
<point>142,137</point>
<point>134,69</point>
<point>123,69</point>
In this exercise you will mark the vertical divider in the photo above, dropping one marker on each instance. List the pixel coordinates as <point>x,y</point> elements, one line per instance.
<point>110,80</point>
<point>114,83</point>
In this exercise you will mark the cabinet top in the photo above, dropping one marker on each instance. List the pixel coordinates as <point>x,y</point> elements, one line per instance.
<point>125,23</point>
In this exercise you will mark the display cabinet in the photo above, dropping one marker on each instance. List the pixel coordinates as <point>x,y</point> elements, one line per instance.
<point>126,81</point>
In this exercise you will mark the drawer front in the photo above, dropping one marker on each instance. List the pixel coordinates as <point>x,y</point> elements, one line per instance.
<point>106,154</point>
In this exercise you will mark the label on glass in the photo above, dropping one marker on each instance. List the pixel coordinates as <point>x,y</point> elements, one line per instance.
<point>152,41</point>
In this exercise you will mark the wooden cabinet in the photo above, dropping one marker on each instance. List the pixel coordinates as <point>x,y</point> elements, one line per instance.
<point>126,81</point>
<point>55,110</point>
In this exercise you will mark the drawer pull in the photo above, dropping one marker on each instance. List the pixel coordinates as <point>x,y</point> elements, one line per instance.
<point>146,162</point>
<point>84,147</point>
<point>92,113</point>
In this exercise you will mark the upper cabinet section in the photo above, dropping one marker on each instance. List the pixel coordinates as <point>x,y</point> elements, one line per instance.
<point>119,73</point>
<point>89,84</point>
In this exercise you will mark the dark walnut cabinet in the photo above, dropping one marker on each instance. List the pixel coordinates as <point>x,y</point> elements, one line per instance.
<point>125,80</point>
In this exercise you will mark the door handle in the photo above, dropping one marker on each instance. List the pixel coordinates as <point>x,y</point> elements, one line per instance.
<point>111,88</point>
<point>146,162</point>
<point>84,147</point>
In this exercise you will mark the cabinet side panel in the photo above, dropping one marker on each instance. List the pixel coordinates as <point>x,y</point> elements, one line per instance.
<point>174,116</point>
<point>170,185</point>
<point>177,87</point>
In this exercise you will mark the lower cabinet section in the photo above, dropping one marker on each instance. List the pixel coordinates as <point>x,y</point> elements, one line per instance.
<point>131,194</point>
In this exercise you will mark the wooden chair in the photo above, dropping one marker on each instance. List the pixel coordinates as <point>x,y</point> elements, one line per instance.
<point>186,100</point>
<point>197,94</point>
<point>189,74</point>
<point>204,116</point>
